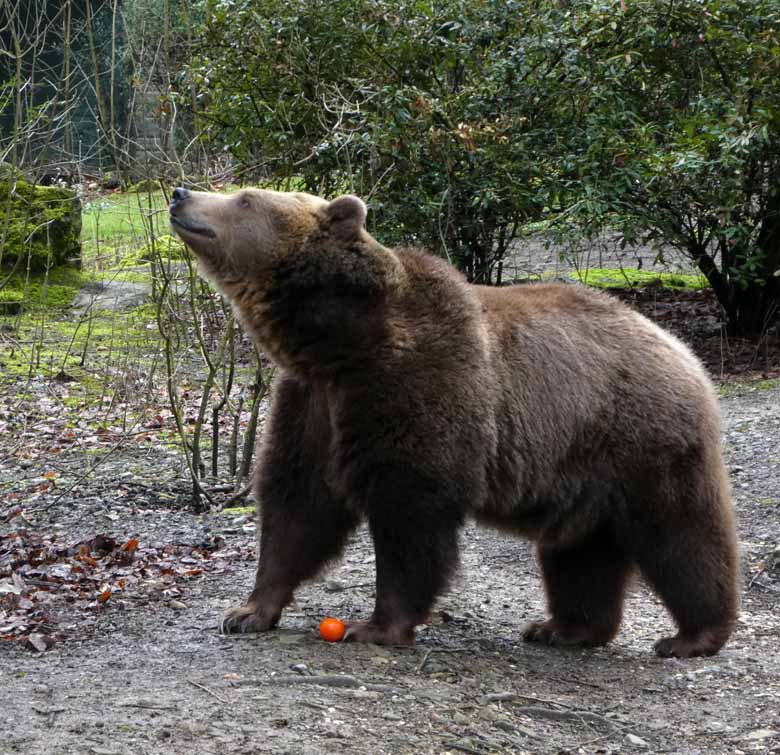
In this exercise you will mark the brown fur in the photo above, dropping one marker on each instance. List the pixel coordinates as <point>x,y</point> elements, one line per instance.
<point>413,400</point>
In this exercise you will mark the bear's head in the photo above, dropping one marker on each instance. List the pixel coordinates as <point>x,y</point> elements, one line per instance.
<point>296,267</point>
<point>248,232</point>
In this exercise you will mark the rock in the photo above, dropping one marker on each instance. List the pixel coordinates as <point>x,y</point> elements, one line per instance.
<point>44,226</point>
<point>760,734</point>
<point>114,295</point>
<point>145,185</point>
<point>636,741</point>
<point>365,694</point>
<point>291,638</point>
<point>110,182</point>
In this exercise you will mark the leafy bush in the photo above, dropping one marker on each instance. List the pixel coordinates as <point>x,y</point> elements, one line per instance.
<point>675,133</point>
<point>462,121</point>
<point>422,108</point>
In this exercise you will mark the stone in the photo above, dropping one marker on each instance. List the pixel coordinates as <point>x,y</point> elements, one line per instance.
<point>758,735</point>
<point>43,226</point>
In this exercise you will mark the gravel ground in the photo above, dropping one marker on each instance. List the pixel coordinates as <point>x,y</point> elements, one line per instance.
<point>147,672</point>
<point>150,674</point>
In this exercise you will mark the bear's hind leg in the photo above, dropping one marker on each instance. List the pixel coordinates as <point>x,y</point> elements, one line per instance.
<point>585,583</point>
<point>694,570</point>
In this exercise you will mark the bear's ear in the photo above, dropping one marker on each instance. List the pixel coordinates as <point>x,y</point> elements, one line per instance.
<point>347,217</point>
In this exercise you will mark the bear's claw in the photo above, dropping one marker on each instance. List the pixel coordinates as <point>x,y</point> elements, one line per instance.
<point>550,632</point>
<point>706,643</point>
<point>389,634</point>
<point>246,619</point>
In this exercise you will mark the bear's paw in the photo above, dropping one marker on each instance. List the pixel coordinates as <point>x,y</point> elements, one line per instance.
<point>247,619</point>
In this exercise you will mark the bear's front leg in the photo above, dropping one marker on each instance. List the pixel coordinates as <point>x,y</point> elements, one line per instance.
<point>416,542</point>
<point>302,523</point>
<point>299,534</point>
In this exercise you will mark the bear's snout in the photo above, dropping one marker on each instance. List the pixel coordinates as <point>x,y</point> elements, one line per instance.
<point>178,195</point>
<point>186,220</point>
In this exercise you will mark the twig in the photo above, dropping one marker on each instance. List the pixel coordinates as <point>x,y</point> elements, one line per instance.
<point>123,439</point>
<point>576,747</point>
<point>147,706</point>
<point>576,681</point>
<point>243,493</point>
<point>545,701</point>
<point>463,748</point>
<point>755,577</point>
<point>207,690</point>
<point>315,706</point>
<point>326,680</point>
<point>565,715</point>
<point>336,680</point>
<point>422,663</point>
<point>432,650</point>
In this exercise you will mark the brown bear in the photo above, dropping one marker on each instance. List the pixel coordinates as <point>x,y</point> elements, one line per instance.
<point>411,399</point>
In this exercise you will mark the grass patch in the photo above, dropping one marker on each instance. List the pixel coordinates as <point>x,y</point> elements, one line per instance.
<point>116,224</point>
<point>609,277</point>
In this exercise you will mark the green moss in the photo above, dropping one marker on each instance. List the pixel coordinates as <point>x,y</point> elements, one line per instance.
<point>741,387</point>
<point>54,289</point>
<point>537,227</point>
<point>606,277</point>
<point>11,301</point>
<point>239,510</point>
<point>40,226</point>
<point>165,246</point>
<point>147,186</point>
<point>132,276</point>
<point>89,349</point>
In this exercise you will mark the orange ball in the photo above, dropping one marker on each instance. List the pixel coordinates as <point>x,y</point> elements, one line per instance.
<point>332,630</point>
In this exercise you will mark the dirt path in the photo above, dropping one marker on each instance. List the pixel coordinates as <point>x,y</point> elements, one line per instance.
<point>150,674</point>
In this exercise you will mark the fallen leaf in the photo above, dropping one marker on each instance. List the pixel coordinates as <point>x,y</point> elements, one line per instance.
<point>130,545</point>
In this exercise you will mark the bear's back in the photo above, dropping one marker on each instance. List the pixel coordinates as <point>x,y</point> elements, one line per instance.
<point>589,389</point>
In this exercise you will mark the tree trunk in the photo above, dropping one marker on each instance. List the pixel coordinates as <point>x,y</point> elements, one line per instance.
<point>751,310</point>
